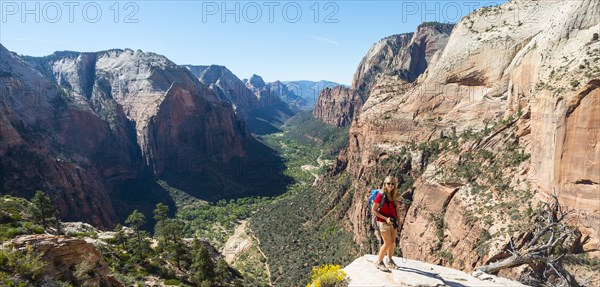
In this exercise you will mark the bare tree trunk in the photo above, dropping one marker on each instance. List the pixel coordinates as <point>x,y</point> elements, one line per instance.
<point>509,262</point>
<point>546,247</point>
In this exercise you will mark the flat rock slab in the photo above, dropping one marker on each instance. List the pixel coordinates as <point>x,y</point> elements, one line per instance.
<point>362,273</point>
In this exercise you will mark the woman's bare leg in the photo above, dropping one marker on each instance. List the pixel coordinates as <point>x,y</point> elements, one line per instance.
<point>387,241</point>
<point>392,234</point>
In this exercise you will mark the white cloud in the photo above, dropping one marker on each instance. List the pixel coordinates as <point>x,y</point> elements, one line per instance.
<point>325,40</point>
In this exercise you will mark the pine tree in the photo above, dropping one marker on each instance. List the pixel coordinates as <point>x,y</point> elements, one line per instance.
<point>161,212</point>
<point>222,271</point>
<point>43,211</point>
<point>120,236</point>
<point>169,235</point>
<point>135,220</point>
<point>202,268</point>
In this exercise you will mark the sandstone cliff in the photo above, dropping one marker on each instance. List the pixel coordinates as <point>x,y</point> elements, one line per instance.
<point>228,87</point>
<point>68,259</point>
<point>96,128</point>
<point>505,114</point>
<point>338,106</point>
<point>39,148</point>
<point>403,57</point>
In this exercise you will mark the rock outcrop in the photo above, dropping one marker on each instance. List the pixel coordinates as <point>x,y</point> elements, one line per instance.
<point>523,93</point>
<point>68,259</point>
<point>362,272</point>
<point>403,57</point>
<point>338,106</point>
<point>94,128</point>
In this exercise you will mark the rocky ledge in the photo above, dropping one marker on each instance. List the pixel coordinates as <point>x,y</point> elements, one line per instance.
<point>362,272</point>
<point>63,255</point>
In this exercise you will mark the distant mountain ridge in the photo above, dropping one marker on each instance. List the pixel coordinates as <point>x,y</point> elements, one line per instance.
<point>262,110</point>
<point>299,95</point>
<point>309,91</point>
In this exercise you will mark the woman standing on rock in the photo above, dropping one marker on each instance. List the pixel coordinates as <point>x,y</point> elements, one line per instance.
<point>384,208</point>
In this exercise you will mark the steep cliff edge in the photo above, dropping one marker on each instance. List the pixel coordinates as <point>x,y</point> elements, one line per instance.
<point>227,86</point>
<point>338,106</point>
<point>273,110</point>
<point>403,57</point>
<point>505,114</point>
<point>48,143</point>
<point>362,272</point>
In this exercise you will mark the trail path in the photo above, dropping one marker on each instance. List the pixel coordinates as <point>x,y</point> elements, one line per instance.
<point>312,169</point>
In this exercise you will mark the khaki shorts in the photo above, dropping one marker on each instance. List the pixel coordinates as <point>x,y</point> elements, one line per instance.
<point>384,226</point>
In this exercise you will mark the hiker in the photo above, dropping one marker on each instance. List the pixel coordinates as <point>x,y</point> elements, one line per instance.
<point>386,215</point>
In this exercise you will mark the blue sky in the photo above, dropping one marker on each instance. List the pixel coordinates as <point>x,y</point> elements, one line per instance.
<point>279,40</point>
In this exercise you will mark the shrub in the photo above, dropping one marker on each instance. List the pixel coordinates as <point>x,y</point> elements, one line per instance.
<point>172,282</point>
<point>574,83</point>
<point>26,263</point>
<point>328,276</point>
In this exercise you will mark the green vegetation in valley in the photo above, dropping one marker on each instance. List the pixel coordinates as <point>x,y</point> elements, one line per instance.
<point>302,228</point>
<point>301,231</point>
<point>303,141</point>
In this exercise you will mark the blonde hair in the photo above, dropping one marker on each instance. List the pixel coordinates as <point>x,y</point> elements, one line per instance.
<point>393,194</point>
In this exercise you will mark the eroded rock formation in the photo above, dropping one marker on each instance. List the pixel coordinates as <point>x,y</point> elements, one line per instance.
<point>516,100</point>
<point>68,259</point>
<point>403,57</point>
<point>338,106</point>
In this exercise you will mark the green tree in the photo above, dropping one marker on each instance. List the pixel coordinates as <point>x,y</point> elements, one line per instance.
<point>135,220</point>
<point>202,268</point>
<point>169,233</point>
<point>120,236</point>
<point>222,271</point>
<point>161,212</point>
<point>43,211</point>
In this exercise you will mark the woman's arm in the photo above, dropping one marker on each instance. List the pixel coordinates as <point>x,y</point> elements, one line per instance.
<point>398,214</point>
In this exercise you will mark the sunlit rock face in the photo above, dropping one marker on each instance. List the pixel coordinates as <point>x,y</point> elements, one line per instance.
<point>538,79</point>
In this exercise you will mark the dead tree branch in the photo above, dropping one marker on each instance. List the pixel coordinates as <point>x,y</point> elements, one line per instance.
<point>544,250</point>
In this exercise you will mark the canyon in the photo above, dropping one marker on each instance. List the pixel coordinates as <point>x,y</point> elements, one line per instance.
<point>481,121</point>
<point>95,129</point>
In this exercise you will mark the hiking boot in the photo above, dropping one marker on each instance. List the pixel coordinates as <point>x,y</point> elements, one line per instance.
<point>382,267</point>
<point>392,265</point>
